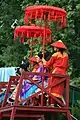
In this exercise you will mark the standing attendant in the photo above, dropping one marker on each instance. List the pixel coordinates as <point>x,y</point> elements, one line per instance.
<point>59,64</point>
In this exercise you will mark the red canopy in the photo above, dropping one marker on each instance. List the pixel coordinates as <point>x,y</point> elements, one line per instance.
<point>32,32</point>
<point>47,13</point>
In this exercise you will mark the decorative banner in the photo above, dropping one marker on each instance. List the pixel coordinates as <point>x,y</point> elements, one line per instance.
<point>45,13</point>
<point>32,32</point>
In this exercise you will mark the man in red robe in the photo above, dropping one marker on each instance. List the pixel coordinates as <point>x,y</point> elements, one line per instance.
<point>59,64</point>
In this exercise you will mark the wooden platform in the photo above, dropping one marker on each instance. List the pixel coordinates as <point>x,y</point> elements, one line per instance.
<point>30,111</point>
<point>23,111</point>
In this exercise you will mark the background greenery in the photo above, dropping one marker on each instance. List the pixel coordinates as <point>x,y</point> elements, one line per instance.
<point>12,52</point>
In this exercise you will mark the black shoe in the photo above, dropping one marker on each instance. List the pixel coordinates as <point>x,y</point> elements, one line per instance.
<point>11,100</point>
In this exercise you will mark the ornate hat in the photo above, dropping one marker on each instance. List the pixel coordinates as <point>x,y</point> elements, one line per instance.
<point>35,59</point>
<point>59,44</point>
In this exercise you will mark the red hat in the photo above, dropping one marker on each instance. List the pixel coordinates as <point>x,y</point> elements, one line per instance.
<point>59,44</point>
<point>35,59</point>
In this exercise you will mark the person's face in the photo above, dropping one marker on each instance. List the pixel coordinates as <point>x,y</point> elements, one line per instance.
<point>40,63</point>
<point>56,49</point>
<point>21,70</point>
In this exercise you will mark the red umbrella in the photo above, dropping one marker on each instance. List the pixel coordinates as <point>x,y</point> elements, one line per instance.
<point>46,13</point>
<point>32,32</point>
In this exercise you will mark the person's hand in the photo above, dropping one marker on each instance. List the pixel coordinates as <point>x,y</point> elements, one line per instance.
<point>44,61</point>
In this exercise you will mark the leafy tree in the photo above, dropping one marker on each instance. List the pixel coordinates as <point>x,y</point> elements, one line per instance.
<point>14,9</point>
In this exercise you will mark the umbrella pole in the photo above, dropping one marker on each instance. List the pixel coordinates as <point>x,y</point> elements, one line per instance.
<point>44,40</point>
<point>43,51</point>
<point>31,47</point>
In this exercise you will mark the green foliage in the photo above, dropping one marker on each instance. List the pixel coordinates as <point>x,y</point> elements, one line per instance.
<point>76,82</point>
<point>76,111</point>
<point>12,53</point>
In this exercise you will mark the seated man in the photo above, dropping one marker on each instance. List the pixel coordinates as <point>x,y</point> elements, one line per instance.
<point>37,63</point>
<point>25,85</point>
<point>28,88</point>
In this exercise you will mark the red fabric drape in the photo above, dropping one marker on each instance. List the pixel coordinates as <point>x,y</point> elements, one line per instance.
<point>45,12</point>
<point>32,32</point>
